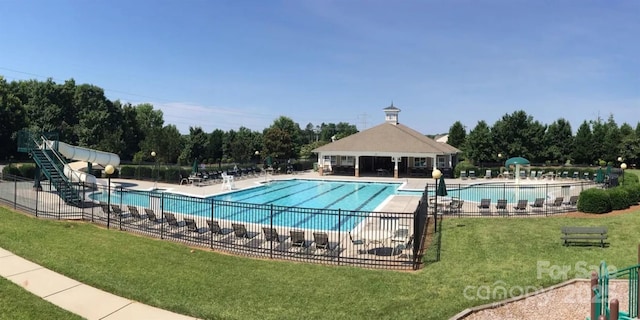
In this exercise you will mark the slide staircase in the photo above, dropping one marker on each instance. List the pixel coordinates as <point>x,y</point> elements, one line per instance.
<point>51,164</point>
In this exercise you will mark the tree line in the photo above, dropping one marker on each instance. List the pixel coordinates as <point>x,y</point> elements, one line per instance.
<point>518,135</point>
<point>83,116</point>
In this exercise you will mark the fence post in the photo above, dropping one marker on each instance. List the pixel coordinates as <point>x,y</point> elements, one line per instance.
<point>162,215</point>
<point>271,227</point>
<point>339,224</point>
<point>594,297</point>
<point>546,194</point>
<point>15,193</point>
<point>210,231</point>
<point>37,197</point>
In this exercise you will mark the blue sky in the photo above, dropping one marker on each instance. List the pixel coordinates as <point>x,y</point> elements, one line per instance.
<point>226,64</point>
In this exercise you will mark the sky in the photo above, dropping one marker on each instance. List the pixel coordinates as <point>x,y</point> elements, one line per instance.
<point>239,63</point>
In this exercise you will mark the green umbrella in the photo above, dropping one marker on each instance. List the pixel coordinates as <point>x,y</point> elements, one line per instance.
<point>442,188</point>
<point>599,176</point>
<point>608,171</point>
<point>195,166</point>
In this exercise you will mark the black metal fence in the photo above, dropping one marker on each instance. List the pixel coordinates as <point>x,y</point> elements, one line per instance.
<point>388,240</point>
<point>507,199</point>
<point>337,237</point>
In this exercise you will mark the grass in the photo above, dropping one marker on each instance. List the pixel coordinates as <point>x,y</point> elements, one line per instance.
<point>476,254</point>
<point>17,303</point>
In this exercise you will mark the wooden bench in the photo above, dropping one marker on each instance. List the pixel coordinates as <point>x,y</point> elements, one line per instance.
<point>584,234</point>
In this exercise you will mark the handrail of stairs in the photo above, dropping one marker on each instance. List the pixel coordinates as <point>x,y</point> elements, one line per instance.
<point>61,160</point>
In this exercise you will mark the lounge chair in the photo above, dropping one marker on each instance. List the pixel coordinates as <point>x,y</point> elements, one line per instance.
<point>532,174</point>
<point>406,250</point>
<point>523,174</point>
<point>401,234</point>
<point>117,211</point>
<point>472,174</point>
<point>487,174</point>
<point>135,213</point>
<point>556,204</point>
<point>521,206</point>
<point>152,216</point>
<point>241,232</point>
<point>455,206</point>
<point>565,175</point>
<point>485,206</point>
<point>463,175</point>
<point>572,203</point>
<point>193,227</point>
<point>501,207</point>
<point>538,204</point>
<point>215,228</point>
<point>321,242</point>
<point>585,176</point>
<point>299,240</point>
<point>575,175</point>
<point>271,234</point>
<point>173,222</point>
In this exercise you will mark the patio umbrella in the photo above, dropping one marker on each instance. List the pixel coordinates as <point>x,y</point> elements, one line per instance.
<point>442,188</point>
<point>608,171</point>
<point>599,176</point>
<point>194,169</point>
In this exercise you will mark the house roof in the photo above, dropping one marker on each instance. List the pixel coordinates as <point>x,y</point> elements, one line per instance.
<point>387,138</point>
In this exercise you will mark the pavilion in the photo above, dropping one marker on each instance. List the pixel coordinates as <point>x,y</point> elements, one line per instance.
<point>387,148</point>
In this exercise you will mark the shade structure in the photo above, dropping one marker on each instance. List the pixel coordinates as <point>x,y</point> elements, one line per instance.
<point>599,176</point>
<point>517,162</point>
<point>194,169</point>
<point>442,188</point>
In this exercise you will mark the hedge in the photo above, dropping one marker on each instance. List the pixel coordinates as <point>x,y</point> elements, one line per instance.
<point>594,200</point>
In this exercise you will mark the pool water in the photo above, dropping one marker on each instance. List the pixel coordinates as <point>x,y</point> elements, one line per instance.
<point>356,196</point>
<point>297,193</point>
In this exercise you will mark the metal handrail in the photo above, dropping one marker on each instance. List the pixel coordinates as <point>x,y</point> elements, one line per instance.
<point>61,160</point>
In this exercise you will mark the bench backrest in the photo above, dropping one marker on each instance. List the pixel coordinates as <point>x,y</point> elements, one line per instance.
<point>585,230</point>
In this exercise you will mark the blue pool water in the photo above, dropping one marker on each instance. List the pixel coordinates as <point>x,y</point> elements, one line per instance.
<point>311,194</point>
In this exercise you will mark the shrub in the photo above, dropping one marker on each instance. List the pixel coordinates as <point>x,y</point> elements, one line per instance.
<point>594,200</point>
<point>127,171</point>
<point>143,173</point>
<point>171,174</point>
<point>619,198</point>
<point>633,191</point>
<point>464,166</point>
<point>11,170</point>
<point>27,170</point>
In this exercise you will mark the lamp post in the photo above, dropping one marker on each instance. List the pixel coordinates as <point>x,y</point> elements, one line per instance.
<point>436,174</point>
<point>623,166</point>
<point>155,181</point>
<point>109,169</point>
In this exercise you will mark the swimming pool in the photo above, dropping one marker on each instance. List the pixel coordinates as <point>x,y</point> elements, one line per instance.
<point>310,204</point>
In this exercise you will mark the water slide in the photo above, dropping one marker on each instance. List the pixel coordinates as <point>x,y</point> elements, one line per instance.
<point>83,156</point>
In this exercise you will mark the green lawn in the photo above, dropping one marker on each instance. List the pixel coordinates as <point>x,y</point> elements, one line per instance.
<point>17,303</point>
<point>485,253</point>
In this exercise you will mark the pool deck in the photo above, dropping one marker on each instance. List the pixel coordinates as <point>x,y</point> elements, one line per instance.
<point>398,203</point>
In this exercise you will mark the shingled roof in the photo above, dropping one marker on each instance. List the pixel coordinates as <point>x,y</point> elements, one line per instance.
<point>388,138</point>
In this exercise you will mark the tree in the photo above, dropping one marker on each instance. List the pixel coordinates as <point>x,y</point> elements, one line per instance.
<point>457,135</point>
<point>150,122</point>
<point>583,145</point>
<point>478,147</point>
<point>13,119</point>
<point>558,140</point>
<point>517,135</point>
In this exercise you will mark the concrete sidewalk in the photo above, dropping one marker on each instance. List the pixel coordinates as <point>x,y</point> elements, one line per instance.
<point>76,297</point>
